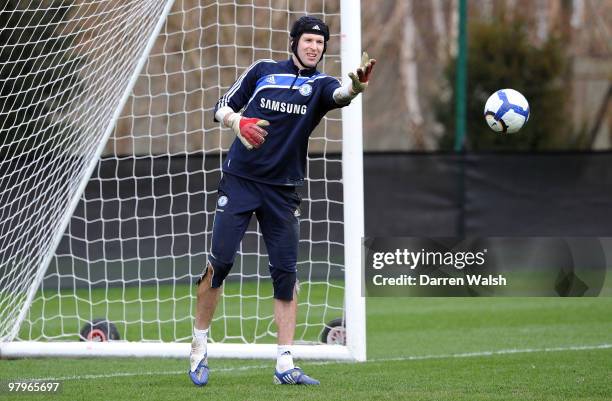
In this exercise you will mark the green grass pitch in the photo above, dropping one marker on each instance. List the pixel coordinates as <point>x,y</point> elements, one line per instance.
<point>418,349</point>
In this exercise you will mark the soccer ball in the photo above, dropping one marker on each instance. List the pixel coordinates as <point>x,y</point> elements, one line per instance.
<point>506,111</point>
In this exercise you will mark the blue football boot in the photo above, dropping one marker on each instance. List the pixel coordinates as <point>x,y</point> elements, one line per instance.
<point>199,376</point>
<point>198,363</point>
<point>294,376</point>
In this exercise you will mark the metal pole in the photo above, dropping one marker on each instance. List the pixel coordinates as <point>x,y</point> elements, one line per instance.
<point>352,178</point>
<point>461,78</point>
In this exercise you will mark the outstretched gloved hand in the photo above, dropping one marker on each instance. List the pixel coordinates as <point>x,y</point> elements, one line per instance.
<point>361,78</point>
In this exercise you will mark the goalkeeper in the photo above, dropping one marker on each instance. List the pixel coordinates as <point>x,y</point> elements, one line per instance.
<point>281,102</point>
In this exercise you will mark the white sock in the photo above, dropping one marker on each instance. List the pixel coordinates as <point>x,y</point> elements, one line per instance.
<point>198,347</point>
<point>200,335</point>
<point>284,359</point>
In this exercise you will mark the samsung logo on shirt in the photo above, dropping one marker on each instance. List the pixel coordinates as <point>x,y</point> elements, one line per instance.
<point>282,106</point>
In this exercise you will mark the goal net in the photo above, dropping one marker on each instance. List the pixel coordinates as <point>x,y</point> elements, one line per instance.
<point>109,163</point>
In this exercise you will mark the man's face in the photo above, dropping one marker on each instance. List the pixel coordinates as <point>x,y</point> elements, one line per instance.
<point>310,49</point>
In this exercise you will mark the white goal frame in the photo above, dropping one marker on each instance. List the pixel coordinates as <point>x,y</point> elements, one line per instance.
<point>352,173</point>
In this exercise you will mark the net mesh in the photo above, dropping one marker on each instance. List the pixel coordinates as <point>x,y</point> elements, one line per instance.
<point>64,71</point>
<point>138,238</point>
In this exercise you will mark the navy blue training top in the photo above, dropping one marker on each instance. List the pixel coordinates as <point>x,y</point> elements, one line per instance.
<point>294,102</point>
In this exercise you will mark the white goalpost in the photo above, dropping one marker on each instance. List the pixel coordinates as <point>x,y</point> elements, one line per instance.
<point>109,162</point>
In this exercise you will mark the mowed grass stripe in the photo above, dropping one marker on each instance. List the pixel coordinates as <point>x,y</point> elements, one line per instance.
<point>319,363</point>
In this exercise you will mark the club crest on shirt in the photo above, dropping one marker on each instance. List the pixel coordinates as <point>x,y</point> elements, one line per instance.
<point>305,90</point>
<point>222,201</point>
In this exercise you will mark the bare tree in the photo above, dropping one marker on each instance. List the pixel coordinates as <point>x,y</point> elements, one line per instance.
<point>410,75</point>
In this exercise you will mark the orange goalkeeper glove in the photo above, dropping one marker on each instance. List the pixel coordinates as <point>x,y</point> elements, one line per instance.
<point>360,81</point>
<point>249,130</point>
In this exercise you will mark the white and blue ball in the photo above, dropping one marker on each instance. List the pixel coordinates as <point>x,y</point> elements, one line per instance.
<point>506,111</point>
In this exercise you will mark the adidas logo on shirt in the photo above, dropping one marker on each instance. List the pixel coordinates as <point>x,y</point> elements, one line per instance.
<point>316,27</point>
